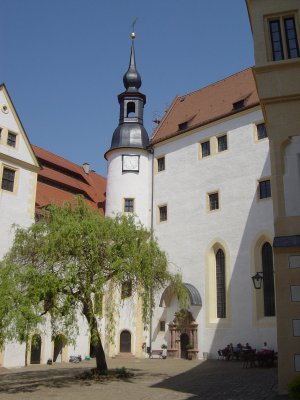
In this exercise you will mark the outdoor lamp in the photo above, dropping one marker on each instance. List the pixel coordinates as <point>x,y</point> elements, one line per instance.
<point>257,280</point>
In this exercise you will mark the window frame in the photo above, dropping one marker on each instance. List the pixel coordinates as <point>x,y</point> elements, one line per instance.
<point>260,190</point>
<point>220,283</point>
<point>159,208</point>
<point>162,324</point>
<point>209,201</point>
<point>205,142</point>
<point>9,142</point>
<point>124,204</point>
<point>14,181</point>
<point>258,137</point>
<point>219,149</point>
<point>126,289</point>
<point>158,160</point>
<point>283,40</point>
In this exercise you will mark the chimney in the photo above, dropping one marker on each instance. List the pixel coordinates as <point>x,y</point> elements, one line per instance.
<point>86,167</point>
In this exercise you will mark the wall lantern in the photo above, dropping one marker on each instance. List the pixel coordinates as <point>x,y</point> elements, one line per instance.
<point>257,280</point>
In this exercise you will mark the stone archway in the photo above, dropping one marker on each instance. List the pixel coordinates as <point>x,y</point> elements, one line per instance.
<point>183,331</point>
<point>125,342</point>
<point>35,351</point>
<point>59,348</point>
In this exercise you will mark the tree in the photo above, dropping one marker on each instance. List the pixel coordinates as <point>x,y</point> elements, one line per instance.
<point>62,265</point>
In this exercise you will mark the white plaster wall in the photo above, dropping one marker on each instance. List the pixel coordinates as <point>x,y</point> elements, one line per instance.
<point>122,185</point>
<point>14,355</point>
<point>16,208</point>
<point>291,177</point>
<point>8,121</point>
<point>191,230</point>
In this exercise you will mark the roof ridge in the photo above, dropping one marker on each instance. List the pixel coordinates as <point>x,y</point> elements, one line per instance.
<point>215,83</point>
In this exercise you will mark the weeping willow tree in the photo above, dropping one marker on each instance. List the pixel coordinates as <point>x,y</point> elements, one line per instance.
<point>62,265</point>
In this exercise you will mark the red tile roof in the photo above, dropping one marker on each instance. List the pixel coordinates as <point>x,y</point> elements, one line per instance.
<point>208,104</point>
<point>59,180</point>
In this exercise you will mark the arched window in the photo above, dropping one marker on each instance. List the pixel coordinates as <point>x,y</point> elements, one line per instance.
<point>268,280</point>
<point>220,280</point>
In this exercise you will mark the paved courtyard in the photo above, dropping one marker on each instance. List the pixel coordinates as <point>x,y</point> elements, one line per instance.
<point>154,379</point>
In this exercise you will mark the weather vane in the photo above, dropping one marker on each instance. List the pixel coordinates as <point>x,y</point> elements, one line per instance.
<point>133,24</point>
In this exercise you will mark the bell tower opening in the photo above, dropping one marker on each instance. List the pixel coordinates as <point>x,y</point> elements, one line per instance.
<point>131,109</point>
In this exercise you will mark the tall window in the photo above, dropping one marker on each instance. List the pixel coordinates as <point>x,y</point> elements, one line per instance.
<point>268,280</point>
<point>8,179</point>
<point>161,166</point>
<point>264,189</point>
<point>261,131</point>
<point>205,149</point>
<point>11,139</point>
<point>163,213</point>
<point>222,143</point>
<point>129,205</point>
<point>220,279</point>
<point>284,38</point>
<point>213,201</point>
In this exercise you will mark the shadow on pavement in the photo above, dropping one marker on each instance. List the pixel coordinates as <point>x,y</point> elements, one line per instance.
<point>30,381</point>
<point>226,380</point>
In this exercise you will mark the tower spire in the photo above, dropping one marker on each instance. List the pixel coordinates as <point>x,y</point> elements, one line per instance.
<point>132,79</point>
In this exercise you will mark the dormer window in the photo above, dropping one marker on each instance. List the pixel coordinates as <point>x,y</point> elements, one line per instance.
<point>183,126</point>
<point>239,104</point>
<point>131,109</point>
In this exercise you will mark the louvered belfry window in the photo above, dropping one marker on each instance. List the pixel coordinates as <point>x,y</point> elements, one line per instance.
<point>268,280</point>
<point>220,278</point>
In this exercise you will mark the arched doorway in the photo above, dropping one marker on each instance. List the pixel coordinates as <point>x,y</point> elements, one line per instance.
<point>59,343</point>
<point>184,341</point>
<point>36,346</point>
<point>125,342</point>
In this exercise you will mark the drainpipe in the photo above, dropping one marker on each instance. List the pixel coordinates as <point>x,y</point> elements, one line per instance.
<point>151,150</point>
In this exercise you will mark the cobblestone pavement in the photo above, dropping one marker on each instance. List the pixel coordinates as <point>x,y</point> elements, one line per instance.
<point>153,379</point>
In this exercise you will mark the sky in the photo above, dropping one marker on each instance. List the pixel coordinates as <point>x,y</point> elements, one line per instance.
<point>63,62</point>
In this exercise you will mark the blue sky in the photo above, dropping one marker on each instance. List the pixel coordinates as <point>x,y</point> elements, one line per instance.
<point>63,62</point>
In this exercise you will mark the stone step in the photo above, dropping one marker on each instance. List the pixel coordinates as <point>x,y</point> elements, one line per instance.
<point>123,355</point>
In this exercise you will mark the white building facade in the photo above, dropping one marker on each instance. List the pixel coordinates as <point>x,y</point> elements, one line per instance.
<point>202,183</point>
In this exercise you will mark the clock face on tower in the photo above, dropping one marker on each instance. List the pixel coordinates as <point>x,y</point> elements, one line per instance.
<point>130,163</point>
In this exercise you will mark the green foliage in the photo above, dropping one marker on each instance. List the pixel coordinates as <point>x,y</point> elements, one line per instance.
<point>66,262</point>
<point>294,388</point>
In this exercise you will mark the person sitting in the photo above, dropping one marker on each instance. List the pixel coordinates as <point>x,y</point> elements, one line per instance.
<point>265,346</point>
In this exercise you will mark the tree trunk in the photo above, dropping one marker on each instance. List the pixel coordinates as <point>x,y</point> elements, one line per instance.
<point>95,336</point>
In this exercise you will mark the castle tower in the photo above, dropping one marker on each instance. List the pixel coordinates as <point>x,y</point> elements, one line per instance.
<point>129,167</point>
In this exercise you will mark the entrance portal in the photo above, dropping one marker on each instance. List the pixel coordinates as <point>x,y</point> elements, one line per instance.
<point>36,345</point>
<point>125,342</point>
<point>184,341</point>
<point>58,348</point>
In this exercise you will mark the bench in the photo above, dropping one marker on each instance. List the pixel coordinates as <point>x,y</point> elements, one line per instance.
<point>155,353</point>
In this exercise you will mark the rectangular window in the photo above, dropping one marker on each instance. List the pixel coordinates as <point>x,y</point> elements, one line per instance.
<point>213,199</point>
<point>291,37</point>
<point>261,131</point>
<point>222,143</point>
<point>8,179</point>
<point>163,213</point>
<point>11,139</point>
<point>161,164</point>
<point>277,47</point>
<point>284,39</point>
<point>129,205</point>
<point>205,149</point>
<point>162,326</point>
<point>265,189</point>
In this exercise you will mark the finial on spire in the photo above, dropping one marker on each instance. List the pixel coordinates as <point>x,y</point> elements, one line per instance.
<point>133,24</point>
<point>132,79</point>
